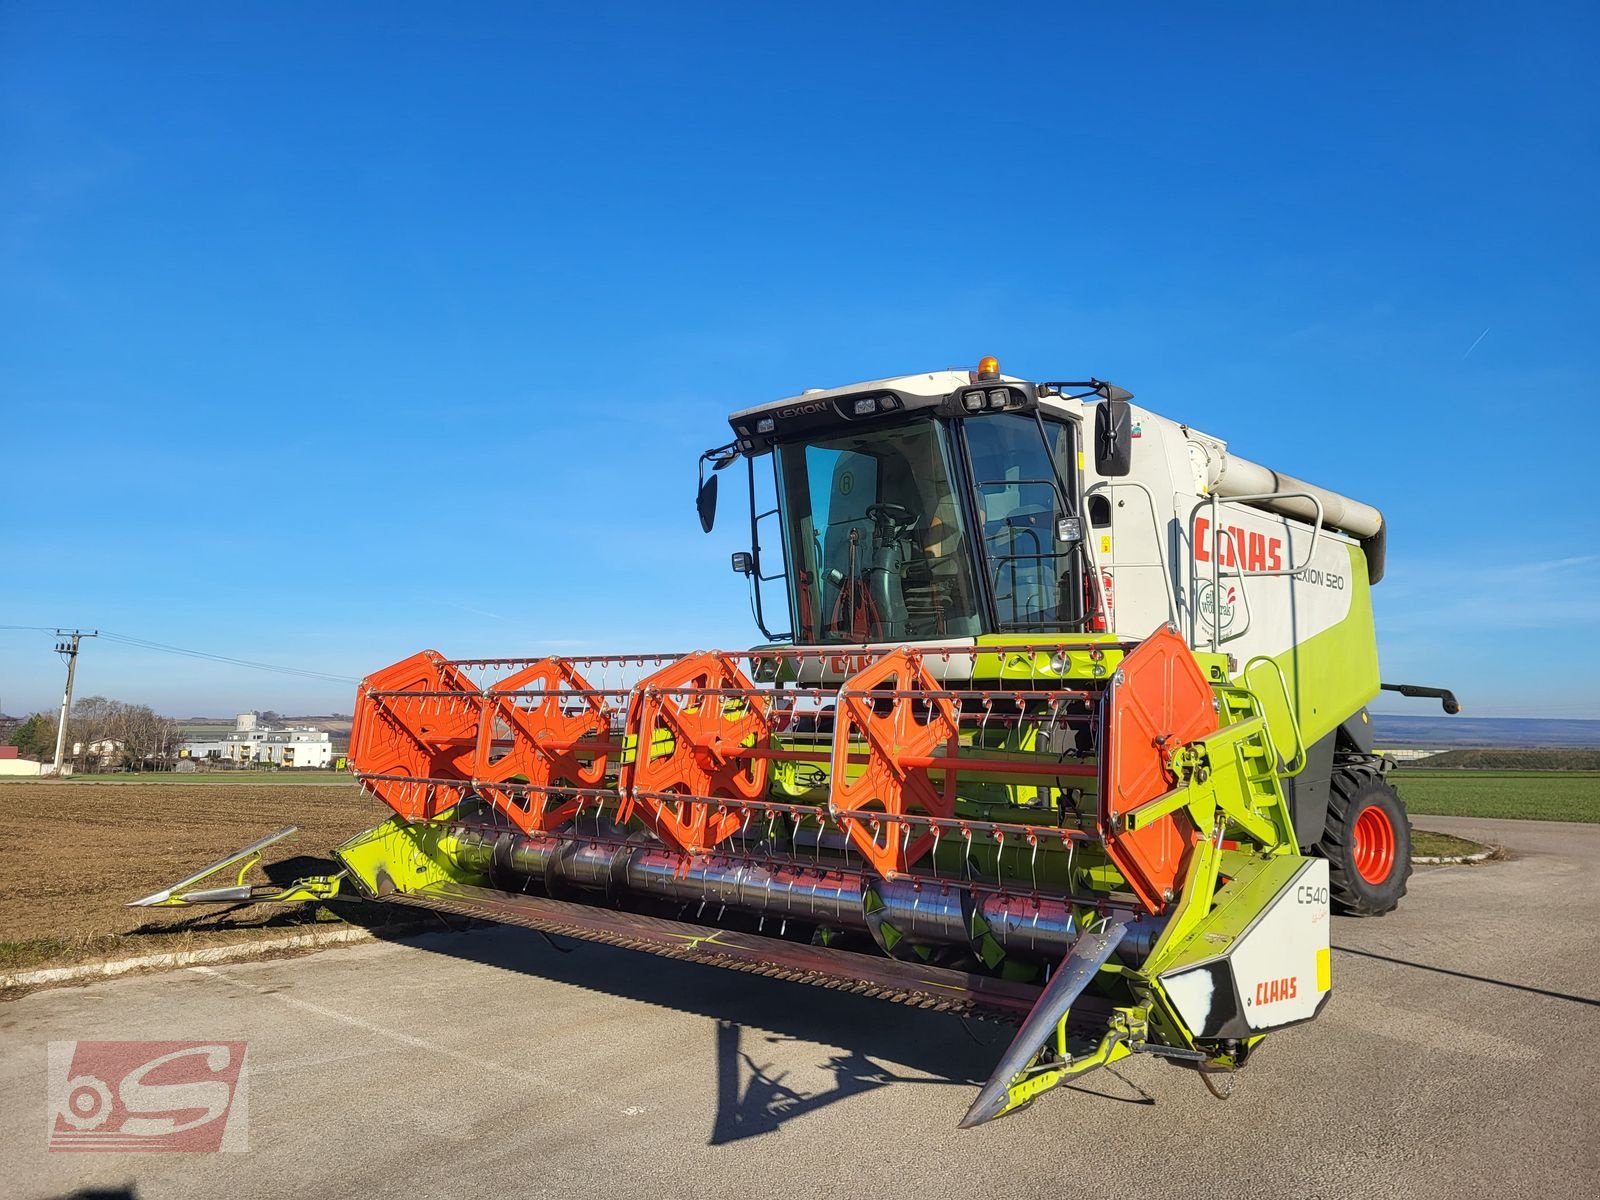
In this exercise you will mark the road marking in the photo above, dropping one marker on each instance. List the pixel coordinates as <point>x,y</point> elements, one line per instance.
<point>394,1035</point>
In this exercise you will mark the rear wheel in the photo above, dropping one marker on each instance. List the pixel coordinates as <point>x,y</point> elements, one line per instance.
<point>1367,841</point>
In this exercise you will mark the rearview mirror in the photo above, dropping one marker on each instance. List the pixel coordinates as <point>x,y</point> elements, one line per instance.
<point>705,502</point>
<point>1113,438</point>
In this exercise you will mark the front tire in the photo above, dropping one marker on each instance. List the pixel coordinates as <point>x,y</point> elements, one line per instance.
<point>1367,841</point>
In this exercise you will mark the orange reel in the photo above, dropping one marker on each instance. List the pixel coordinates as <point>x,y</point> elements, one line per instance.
<point>421,737</point>
<point>690,736</point>
<point>895,728</point>
<point>546,735</point>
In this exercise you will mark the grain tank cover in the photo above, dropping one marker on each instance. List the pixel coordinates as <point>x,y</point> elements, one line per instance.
<point>1235,478</point>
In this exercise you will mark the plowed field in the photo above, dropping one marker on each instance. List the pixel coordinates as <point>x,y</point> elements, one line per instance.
<point>72,854</point>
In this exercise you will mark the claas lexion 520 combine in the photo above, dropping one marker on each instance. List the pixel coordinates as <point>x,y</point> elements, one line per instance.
<point>1069,729</point>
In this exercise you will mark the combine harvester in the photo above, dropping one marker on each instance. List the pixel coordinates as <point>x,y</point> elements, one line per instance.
<point>1070,730</point>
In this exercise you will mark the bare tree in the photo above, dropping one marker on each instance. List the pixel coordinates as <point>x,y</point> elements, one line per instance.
<point>89,731</point>
<point>146,736</point>
<point>114,732</point>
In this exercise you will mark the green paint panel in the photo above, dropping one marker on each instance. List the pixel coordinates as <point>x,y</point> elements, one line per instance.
<point>402,856</point>
<point>1253,881</point>
<point>1335,674</point>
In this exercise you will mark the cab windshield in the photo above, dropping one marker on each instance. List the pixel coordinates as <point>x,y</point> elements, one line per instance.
<point>875,537</point>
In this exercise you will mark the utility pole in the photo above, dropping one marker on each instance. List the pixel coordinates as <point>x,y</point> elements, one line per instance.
<point>70,649</point>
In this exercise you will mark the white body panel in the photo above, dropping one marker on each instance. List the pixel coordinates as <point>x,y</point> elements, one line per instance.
<point>1218,604</point>
<point>1275,964</point>
<point>1233,576</point>
<point>1278,968</point>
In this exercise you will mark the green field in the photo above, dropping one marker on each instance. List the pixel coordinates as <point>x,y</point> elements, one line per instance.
<point>1511,759</point>
<point>1519,795</point>
<point>1427,844</point>
<point>1525,795</point>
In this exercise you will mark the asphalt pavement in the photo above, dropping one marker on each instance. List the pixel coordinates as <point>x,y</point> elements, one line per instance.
<point>1458,1056</point>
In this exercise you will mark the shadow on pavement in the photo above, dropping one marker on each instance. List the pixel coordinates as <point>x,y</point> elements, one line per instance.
<point>874,1043</point>
<point>751,1100</point>
<point>1520,987</point>
<point>383,920</point>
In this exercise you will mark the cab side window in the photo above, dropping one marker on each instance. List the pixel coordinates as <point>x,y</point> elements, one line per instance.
<point>1015,474</point>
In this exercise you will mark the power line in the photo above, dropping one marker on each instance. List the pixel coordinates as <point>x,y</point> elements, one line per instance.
<point>302,672</point>
<point>227,660</point>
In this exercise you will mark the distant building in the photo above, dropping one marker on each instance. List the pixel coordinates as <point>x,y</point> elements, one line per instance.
<point>12,763</point>
<point>1404,754</point>
<point>251,743</point>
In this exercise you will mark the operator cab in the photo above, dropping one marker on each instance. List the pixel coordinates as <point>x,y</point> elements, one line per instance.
<point>922,508</point>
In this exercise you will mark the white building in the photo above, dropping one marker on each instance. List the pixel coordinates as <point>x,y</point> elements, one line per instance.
<point>251,742</point>
<point>12,763</point>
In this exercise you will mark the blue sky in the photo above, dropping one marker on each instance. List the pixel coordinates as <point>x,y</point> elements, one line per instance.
<point>454,294</point>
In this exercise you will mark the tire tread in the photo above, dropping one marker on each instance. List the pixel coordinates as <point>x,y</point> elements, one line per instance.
<point>1351,894</point>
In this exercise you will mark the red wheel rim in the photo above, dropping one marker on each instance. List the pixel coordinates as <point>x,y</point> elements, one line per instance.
<point>1374,845</point>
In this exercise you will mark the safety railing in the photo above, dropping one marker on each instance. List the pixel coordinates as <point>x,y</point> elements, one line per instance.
<point>1236,554</point>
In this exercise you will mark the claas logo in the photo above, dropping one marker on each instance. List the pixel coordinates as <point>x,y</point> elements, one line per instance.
<point>1270,991</point>
<point>1235,547</point>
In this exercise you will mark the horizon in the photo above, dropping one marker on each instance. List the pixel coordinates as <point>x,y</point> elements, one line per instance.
<point>221,717</point>
<point>1420,709</point>
<point>334,335</point>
